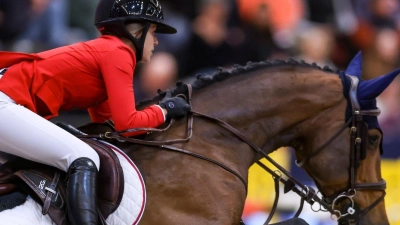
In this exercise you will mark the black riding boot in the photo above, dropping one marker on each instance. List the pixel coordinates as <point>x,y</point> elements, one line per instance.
<point>82,192</point>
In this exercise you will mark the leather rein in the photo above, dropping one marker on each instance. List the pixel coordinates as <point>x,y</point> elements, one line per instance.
<point>306,193</point>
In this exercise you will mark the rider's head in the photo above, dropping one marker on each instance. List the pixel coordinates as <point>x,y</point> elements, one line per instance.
<point>134,20</point>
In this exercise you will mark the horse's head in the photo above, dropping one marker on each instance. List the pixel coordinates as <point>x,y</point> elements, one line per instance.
<point>344,160</point>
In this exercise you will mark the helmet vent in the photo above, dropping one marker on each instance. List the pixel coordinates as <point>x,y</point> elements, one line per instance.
<point>129,8</point>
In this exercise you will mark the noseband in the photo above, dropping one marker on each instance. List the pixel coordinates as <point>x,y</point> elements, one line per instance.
<point>351,213</point>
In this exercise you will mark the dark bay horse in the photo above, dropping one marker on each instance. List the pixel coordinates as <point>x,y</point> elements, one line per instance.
<point>322,114</point>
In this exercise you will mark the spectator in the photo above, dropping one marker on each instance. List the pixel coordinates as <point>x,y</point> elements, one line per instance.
<point>340,17</point>
<point>379,16</point>
<point>281,17</point>
<point>315,44</point>
<point>160,73</point>
<point>207,46</point>
<point>81,14</point>
<point>14,19</point>
<point>389,119</point>
<point>216,40</point>
<point>382,56</point>
<point>47,29</point>
<point>175,45</point>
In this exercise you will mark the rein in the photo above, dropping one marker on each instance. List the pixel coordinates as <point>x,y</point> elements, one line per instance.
<point>305,192</point>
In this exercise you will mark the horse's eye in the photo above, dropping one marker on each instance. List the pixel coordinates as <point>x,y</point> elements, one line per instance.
<point>373,140</point>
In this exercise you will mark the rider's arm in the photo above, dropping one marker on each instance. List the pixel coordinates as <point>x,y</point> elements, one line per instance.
<point>117,69</point>
<point>100,113</point>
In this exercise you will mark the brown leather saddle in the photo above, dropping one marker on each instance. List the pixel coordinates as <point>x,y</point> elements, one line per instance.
<point>46,184</point>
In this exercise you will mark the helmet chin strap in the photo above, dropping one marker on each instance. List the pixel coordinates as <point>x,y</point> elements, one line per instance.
<point>139,42</point>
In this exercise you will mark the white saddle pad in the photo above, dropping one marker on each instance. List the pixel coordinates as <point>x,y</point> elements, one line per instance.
<point>129,211</point>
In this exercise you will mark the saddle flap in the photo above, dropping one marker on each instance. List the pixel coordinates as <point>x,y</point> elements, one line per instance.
<point>111,178</point>
<point>38,183</point>
<point>39,177</point>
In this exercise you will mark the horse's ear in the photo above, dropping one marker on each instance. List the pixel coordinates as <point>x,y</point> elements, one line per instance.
<point>373,88</point>
<point>355,66</point>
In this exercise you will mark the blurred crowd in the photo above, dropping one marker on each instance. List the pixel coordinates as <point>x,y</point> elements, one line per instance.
<point>214,33</point>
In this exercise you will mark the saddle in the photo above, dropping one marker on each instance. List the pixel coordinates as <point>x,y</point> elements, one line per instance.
<point>46,184</point>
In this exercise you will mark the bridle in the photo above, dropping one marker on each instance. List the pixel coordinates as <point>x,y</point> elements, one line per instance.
<point>358,137</point>
<point>351,213</point>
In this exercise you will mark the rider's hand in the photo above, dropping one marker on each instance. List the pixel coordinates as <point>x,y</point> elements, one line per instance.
<point>176,107</point>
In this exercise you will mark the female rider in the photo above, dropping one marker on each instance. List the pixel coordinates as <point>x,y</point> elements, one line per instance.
<point>97,75</point>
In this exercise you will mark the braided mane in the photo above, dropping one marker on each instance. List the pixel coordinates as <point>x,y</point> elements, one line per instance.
<point>222,73</point>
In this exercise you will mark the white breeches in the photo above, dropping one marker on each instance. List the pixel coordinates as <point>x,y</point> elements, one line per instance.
<point>25,134</point>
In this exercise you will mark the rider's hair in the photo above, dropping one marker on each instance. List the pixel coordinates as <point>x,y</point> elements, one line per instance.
<point>136,28</point>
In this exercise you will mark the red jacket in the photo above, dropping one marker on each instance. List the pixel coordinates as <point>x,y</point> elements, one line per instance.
<point>95,75</point>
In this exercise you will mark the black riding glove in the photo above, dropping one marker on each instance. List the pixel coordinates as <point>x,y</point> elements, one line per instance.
<point>175,106</point>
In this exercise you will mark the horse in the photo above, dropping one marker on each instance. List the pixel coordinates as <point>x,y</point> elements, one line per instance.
<point>196,169</point>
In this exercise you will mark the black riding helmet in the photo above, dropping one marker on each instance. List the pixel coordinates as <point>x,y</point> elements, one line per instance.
<point>112,15</point>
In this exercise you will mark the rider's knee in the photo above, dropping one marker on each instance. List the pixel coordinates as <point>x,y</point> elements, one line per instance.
<point>87,153</point>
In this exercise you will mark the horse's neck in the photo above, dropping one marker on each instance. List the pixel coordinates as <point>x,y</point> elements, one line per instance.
<point>266,108</point>
<point>271,107</point>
